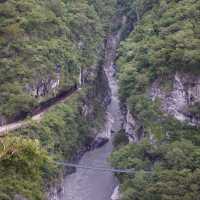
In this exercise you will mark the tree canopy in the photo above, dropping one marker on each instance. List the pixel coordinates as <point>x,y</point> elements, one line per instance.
<point>165,40</point>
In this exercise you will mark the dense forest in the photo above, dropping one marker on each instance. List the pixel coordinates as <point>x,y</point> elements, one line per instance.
<point>165,41</point>
<point>43,44</point>
<point>43,41</point>
<point>46,45</point>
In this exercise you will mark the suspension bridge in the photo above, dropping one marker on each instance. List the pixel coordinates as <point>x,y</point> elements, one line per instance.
<point>96,168</point>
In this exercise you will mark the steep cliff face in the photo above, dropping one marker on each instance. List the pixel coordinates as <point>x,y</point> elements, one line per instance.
<point>95,96</point>
<point>35,38</point>
<point>180,98</point>
<point>42,47</point>
<point>159,61</point>
<point>98,95</point>
<point>55,191</point>
<point>159,84</point>
<point>44,87</point>
<point>133,128</point>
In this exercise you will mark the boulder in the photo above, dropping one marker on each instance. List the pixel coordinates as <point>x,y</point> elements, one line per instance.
<point>98,142</point>
<point>116,194</point>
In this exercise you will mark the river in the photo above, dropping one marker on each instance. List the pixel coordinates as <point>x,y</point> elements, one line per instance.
<point>90,184</point>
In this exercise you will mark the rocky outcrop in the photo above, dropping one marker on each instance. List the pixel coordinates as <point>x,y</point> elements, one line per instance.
<point>94,80</point>
<point>98,143</point>
<point>133,129</point>
<point>44,86</point>
<point>96,95</point>
<point>116,194</point>
<point>55,192</point>
<point>178,100</point>
<point>185,93</point>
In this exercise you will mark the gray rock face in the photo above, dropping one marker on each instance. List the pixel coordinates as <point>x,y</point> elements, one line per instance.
<point>98,92</point>
<point>133,129</point>
<point>184,93</point>
<point>129,127</point>
<point>55,191</point>
<point>116,194</point>
<point>45,86</point>
<point>98,142</point>
<point>96,79</point>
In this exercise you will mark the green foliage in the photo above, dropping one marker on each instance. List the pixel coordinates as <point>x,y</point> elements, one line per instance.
<point>27,160</point>
<point>165,185</point>
<point>120,139</point>
<point>106,10</point>
<point>135,8</point>
<point>39,42</point>
<point>194,110</point>
<point>165,40</point>
<point>21,160</point>
<point>35,38</point>
<point>171,170</point>
<point>162,39</point>
<point>61,131</point>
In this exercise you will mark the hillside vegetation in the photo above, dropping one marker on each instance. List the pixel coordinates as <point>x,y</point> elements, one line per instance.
<point>45,44</point>
<point>39,42</point>
<point>166,39</point>
<point>26,157</point>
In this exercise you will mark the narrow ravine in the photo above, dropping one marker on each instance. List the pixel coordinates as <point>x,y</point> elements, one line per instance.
<point>91,184</point>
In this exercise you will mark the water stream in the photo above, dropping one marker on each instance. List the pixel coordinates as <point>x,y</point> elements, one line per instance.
<point>90,184</point>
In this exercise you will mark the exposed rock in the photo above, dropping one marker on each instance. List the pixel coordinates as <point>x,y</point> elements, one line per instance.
<point>133,129</point>
<point>130,126</point>
<point>45,86</point>
<point>55,192</point>
<point>116,194</point>
<point>98,92</point>
<point>184,93</point>
<point>98,143</point>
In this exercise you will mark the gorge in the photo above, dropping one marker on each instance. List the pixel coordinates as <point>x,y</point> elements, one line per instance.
<point>89,184</point>
<point>112,84</point>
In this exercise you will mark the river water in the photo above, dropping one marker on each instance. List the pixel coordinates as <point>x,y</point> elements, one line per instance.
<point>87,184</point>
